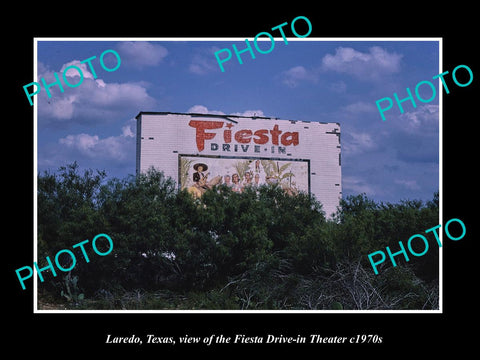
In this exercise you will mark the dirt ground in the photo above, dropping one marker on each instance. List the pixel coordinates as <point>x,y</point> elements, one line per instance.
<point>42,305</point>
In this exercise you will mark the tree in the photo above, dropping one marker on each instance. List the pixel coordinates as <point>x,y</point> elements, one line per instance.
<point>259,249</point>
<point>67,208</point>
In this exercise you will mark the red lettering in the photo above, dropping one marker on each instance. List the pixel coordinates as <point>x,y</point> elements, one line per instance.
<point>201,135</point>
<point>227,136</point>
<point>243,136</point>
<point>275,133</point>
<point>262,137</point>
<point>293,138</point>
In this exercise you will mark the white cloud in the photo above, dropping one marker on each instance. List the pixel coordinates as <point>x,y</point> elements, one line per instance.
<point>409,184</point>
<point>203,61</point>
<point>357,143</point>
<point>127,131</point>
<point>294,75</point>
<point>82,142</point>
<point>115,148</point>
<point>360,107</point>
<point>201,109</point>
<point>92,100</point>
<point>297,74</point>
<point>61,109</point>
<point>92,150</point>
<point>113,94</point>
<point>250,113</point>
<point>415,134</point>
<point>74,72</point>
<point>356,185</point>
<point>424,118</point>
<point>141,53</point>
<point>371,65</point>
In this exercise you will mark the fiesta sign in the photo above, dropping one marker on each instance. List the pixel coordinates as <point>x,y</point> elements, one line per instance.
<point>244,136</point>
<point>302,155</point>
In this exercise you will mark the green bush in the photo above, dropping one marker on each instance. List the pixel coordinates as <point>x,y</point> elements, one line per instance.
<point>262,249</point>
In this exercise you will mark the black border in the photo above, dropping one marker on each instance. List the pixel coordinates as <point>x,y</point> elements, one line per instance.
<point>404,334</point>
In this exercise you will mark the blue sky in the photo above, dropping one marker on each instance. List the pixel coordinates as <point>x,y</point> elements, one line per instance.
<point>308,79</point>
